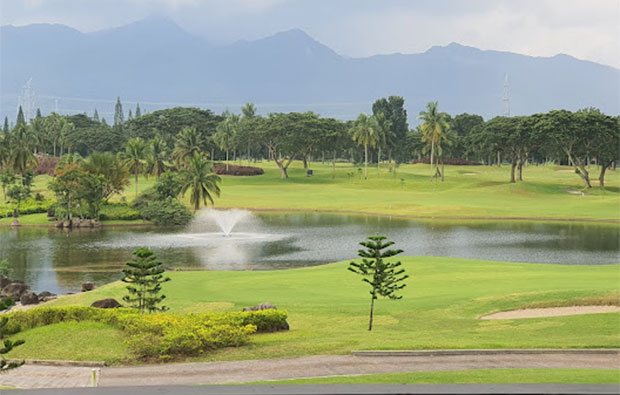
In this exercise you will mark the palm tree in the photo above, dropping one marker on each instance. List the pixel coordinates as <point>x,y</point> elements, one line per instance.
<point>21,148</point>
<point>249,111</point>
<point>224,134</point>
<point>158,155</point>
<point>189,142</point>
<point>365,133</point>
<point>200,180</point>
<point>434,127</point>
<point>383,134</point>
<point>134,157</point>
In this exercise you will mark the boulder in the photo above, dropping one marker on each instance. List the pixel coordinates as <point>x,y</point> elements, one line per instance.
<point>261,306</point>
<point>66,224</point>
<point>87,286</point>
<point>15,289</point>
<point>46,295</point>
<point>106,304</point>
<point>29,298</point>
<point>4,281</point>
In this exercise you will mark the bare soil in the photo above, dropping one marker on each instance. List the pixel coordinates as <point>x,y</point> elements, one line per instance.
<point>550,312</point>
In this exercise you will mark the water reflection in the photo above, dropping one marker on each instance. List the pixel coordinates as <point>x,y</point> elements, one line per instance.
<point>49,259</point>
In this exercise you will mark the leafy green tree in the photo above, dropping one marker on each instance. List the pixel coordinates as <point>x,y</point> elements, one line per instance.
<point>365,132</point>
<point>111,168</point>
<point>66,186</point>
<point>134,157</point>
<point>21,147</point>
<point>145,277</point>
<point>200,180</point>
<point>157,160</point>
<point>168,185</point>
<point>393,110</point>
<point>20,117</point>
<point>225,134</point>
<point>7,346</point>
<point>434,127</point>
<point>19,192</point>
<point>384,278</point>
<point>6,179</point>
<point>188,144</point>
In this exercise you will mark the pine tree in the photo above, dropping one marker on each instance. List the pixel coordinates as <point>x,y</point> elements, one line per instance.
<point>96,115</point>
<point>119,117</point>
<point>6,346</point>
<point>145,276</point>
<point>384,276</point>
<point>138,112</point>
<point>103,121</point>
<point>20,117</point>
<point>130,115</point>
<point>38,113</point>
<point>5,128</point>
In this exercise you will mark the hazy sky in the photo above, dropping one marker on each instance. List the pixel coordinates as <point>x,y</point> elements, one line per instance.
<point>586,29</point>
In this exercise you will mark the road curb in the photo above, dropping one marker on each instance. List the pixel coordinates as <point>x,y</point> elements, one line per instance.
<point>426,353</point>
<point>53,362</point>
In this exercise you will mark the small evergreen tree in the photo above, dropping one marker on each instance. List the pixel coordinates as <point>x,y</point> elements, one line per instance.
<point>5,128</point>
<point>144,276</point>
<point>130,115</point>
<point>20,117</point>
<point>96,115</point>
<point>6,346</point>
<point>119,117</point>
<point>385,278</point>
<point>39,113</point>
<point>138,112</point>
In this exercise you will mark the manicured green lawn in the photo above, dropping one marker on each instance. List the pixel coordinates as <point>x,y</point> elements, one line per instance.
<point>328,306</point>
<point>468,191</point>
<point>474,376</point>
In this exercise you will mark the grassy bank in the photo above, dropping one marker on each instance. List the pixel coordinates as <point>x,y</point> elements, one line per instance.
<point>473,376</point>
<point>468,192</point>
<point>328,307</point>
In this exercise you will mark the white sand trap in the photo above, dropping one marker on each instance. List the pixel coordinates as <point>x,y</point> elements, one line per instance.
<point>470,174</point>
<point>550,312</point>
<point>565,171</point>
<point>574,192</point>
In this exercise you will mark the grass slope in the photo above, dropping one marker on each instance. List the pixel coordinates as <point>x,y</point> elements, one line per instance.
<point>468,191</point>
<point>328,306</point>
<point>474,376</point>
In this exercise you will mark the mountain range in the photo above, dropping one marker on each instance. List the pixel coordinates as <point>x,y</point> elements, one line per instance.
<point>156,63</point>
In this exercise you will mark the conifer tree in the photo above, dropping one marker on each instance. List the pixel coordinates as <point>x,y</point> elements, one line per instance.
<point>138,112</point>
<point>384,277</point>
<point>119,117</point>
<point>20,117</point>
<point>130,115</point>
<point>144,276</point>
<point>6,346</point>
<point>96,115</point>
<point>38,113</point>
<point>5,128</point>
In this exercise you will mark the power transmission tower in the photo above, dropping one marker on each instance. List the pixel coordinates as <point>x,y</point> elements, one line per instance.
<point>28,101</point>
<point>506,97</point>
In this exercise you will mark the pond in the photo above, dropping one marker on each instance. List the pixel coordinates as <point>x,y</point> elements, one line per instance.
<point>59,261</point>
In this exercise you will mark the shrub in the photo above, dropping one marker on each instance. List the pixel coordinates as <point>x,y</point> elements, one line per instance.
<point>235,170</point>
<point>167,212</point>
<point>28,206</point>
<point>46,164</point>
<point>147,196</point>
<point>118,211</point>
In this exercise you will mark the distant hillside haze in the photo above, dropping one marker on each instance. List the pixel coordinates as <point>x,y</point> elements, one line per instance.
<point>157,63</point>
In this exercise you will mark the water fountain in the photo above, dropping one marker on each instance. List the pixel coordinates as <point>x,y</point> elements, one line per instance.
<point>227,219</point>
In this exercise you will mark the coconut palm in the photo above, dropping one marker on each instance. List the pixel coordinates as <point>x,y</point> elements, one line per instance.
<point>21,147</point>
<point>249,111</point>
<point>134,157</point>
<point>383,135</point>
<point>200,180</point>
<point>434,127</point>
<point>365,132</point>
<point>189,142</point>
<point>157,160</point>
<point>225,133</point>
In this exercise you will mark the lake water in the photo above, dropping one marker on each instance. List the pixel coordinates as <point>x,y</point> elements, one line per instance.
<point>59,261</point>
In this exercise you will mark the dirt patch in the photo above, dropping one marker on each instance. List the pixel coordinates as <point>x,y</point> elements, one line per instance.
<point>565,171</point>
<point>575,192</point>
<point>550,312</point>
<point>469,174</point>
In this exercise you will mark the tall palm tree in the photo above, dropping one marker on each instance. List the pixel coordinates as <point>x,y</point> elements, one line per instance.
<point>21,147</point>
<point>434,127</point>
<point>225,133</point>
<point>365,132</point>
<point>249,111</point>
<point>200,180</point>
<point>383,134</point>
<point>158,156</point>
<point>189,142</point>
<point>134,157</point>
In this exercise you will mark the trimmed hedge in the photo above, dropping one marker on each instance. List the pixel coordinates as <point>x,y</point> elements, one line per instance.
<point>161,336</point>
<point>29,206</point>
<point>236,170</point>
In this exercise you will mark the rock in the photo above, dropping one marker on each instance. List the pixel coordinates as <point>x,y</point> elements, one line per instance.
<point>261,306</point>
<point>66,224</point>
<point>94,223</point>
<point>58,224</point>
<point>106,304</point>
<point>15,289</point>
<point>46,295</point>
<point>87,286</point>
<point>29,298</point>
<point>4,281</point>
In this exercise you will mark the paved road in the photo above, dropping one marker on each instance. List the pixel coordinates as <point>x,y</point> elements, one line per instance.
<point>36,376</point>
<point>339,389</point>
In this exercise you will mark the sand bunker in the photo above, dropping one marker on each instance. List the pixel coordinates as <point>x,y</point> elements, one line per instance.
<point>550,312</point>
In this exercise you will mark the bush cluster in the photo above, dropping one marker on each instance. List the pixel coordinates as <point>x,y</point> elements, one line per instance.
<point>29,206</point>
<point>235,170</point>
<point>163,335</point>
<point>168,211</point>
<point>118,211</point>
